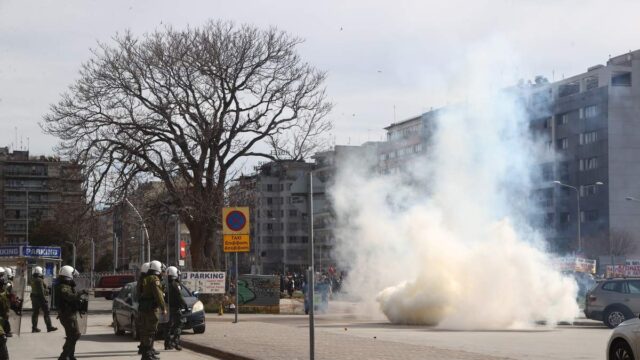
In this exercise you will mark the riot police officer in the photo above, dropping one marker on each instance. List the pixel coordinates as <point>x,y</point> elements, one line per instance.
<point>151,299</point>
<point>4,318</point>
<point>69,302</point>
<point>39,300</point>
<point>144,269</point>
<point>176,305</point>
<point>7,287</point>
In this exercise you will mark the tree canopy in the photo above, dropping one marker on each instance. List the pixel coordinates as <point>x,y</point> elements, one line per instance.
<point>184,106</point>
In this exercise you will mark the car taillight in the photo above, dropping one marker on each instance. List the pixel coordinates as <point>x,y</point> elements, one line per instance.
<point>592,298</point>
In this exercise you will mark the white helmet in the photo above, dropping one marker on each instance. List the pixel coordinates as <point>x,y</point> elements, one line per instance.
<point>9,272</point>
<point>68,271</point>
<point>173,271</point>
<point>144,268</point>
<point>156,266</point>
<point>37,270</point>
<point>2,270</point>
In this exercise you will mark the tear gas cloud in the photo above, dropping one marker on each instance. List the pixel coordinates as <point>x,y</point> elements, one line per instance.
<point>447,241</point>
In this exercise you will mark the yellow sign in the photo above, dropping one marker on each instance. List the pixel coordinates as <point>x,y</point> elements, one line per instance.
<point>236,243</point>
<point>235,221</point>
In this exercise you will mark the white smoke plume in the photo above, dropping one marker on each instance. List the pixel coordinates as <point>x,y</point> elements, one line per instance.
<point>447,241</point>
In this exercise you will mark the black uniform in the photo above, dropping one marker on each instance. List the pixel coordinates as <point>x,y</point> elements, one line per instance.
<point>176,321</point>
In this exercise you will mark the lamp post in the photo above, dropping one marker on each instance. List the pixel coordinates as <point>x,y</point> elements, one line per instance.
<point>144,226</point>
<point>578,205</point>
<point>312,272</point>
<point>74,252</point>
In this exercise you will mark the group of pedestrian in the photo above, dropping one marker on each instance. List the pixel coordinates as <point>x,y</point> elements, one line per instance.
<point>153,298</point>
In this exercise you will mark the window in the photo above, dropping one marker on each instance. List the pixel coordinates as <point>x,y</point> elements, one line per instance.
<point>591,111</point>
<point>616,286</point>
<point>589,163</point>
<point>563,143</point>
<point>591,82</point>
<point>269,187</point>
<point>589,215</point>
<point>564,119</point>
<point>293,212</point>
<point>547,123</point>
<point>621,78</point>
<point>569,89</point>
<point>588,190</point>
<point>269,214</point>
<point>565,218</point>
<point>633,286</point>
<point>588,137</point>
<point>269,201</point>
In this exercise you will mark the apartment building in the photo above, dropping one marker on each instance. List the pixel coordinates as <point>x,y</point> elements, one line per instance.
<point>33,189</point>
<point>592,122</point>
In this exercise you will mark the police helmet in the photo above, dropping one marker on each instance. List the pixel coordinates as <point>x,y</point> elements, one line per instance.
<point>144,268</point>
<point>37,271</point>
<point>68,272</point>
<point>155,266</point>
<point>172,271</point>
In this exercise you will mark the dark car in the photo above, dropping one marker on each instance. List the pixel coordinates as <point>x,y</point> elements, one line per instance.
<point>125,311</point>
<point>112,285</point>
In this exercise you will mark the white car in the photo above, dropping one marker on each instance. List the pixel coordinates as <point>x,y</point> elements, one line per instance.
<point>624,342</point>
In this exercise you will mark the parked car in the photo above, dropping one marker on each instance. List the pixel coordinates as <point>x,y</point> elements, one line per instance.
<point>115,282</point>
<point>613,301</point>
<point>125,311</point>
<point>622,343</point>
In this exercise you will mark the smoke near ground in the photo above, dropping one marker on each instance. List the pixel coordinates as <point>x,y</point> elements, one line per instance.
<point>446,240</point>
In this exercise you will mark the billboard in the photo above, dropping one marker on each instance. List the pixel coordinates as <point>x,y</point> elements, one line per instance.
<point>206,282</point>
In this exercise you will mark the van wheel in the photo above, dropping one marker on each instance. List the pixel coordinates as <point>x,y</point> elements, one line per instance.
<point>615,316</point>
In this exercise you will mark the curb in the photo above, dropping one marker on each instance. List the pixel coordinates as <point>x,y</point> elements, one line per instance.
<point>210,351</point>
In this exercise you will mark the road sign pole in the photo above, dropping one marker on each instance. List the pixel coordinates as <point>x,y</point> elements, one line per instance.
<point>312,273</point>
<point>236,266</point>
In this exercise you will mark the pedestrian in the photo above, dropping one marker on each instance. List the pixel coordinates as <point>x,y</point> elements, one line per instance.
<point>4,317</point>
<point>68,302</point>
<point>39,301</point>
<point>151,300</point>
<point>176,305</point>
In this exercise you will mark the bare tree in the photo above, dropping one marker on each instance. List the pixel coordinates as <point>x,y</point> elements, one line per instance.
<point>185,107</point>
<point>621,243</point>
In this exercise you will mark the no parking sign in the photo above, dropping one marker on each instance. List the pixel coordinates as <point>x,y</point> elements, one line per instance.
<point>235,229</point>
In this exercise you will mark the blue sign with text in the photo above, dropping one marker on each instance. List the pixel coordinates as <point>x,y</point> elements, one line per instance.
<point>9,251</point>
<point>51,252</point>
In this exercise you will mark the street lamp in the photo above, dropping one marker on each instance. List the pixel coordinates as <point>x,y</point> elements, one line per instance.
<point>578,204</point>
<point>74,252</point>
<point>144,226</point>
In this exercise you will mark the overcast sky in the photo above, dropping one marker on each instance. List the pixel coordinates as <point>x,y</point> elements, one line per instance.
<point>379,54</point>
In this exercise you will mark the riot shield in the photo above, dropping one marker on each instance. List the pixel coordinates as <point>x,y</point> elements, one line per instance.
<point>16,290</point>
<point>83,312</point>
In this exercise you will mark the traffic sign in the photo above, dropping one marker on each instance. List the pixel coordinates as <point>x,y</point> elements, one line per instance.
<point>236,243</point>
<point>235,221</point>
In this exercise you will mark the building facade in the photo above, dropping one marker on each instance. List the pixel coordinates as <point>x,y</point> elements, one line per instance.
<point>34,188</point>
<point>591,121</point>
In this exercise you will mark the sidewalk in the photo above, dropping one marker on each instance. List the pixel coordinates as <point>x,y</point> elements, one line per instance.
<point>277,337</point>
